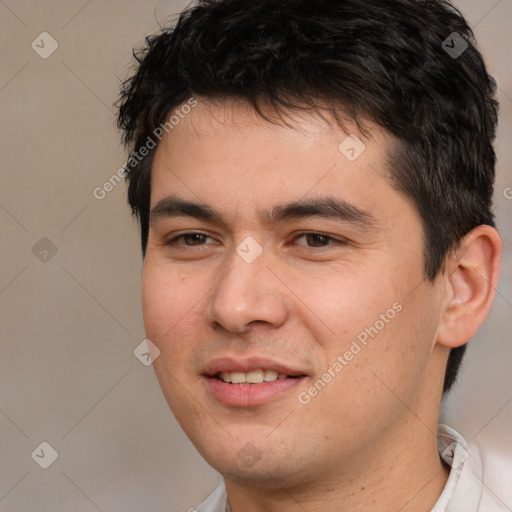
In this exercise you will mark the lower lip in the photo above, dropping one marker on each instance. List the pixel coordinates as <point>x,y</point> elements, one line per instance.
<point>244,395</point>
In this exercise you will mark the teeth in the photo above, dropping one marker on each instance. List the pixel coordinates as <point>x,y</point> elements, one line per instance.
<point>253,377</point>
<point>237,377</point>
<point>269,375</point>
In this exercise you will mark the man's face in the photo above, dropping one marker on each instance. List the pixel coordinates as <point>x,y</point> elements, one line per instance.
<point>336,300</point>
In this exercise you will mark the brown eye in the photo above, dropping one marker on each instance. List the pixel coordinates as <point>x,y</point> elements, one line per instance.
<point>194,238</point>
<point>317,240</point>
<point>190,239</point>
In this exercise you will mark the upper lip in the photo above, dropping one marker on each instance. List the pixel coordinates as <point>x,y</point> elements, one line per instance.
<point>244,365</point>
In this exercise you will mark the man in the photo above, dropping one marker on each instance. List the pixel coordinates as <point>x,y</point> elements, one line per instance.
<point>313,181</point>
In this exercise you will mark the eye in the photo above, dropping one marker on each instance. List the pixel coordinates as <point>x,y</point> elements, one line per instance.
<point>195,239</point>
<point>314,239</point>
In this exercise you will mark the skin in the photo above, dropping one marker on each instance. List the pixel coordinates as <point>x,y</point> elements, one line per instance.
<point>367,440</point>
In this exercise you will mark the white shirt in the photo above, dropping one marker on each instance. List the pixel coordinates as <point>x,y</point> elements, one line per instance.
<point>471,486</point>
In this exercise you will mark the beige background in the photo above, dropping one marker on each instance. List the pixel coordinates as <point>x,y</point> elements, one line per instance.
<point>69,324</point>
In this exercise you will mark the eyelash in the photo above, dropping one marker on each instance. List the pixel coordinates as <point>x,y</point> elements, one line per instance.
<point>327,238</point>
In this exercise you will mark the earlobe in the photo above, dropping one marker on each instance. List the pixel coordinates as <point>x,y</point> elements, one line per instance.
<point>471,282</point>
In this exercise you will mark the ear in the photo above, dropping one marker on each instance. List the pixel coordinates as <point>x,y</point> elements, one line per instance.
<point>471,275</point>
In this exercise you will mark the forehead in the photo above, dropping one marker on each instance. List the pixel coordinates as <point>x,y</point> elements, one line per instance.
<point>209,117</point>
<point>230,130</point>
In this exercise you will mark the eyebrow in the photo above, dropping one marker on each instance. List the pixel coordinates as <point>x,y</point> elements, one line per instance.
<point>325,207</point>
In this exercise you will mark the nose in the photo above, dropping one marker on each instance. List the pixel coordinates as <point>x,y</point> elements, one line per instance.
<point>249,293</point>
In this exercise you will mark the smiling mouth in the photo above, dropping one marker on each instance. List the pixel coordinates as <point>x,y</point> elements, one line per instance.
<point>253,377</point>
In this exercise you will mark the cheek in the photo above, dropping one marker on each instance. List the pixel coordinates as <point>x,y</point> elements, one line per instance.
<point>382,331</point>
<point>155,304</point>
<point>376,382</point>
<point>397,354</point>
<point>345,303</point>
<point>171,306</point>
<point>166,300</point>
<point>164,307</point>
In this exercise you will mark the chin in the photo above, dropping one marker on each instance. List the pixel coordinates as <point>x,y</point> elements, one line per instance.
<point>242,462</point>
